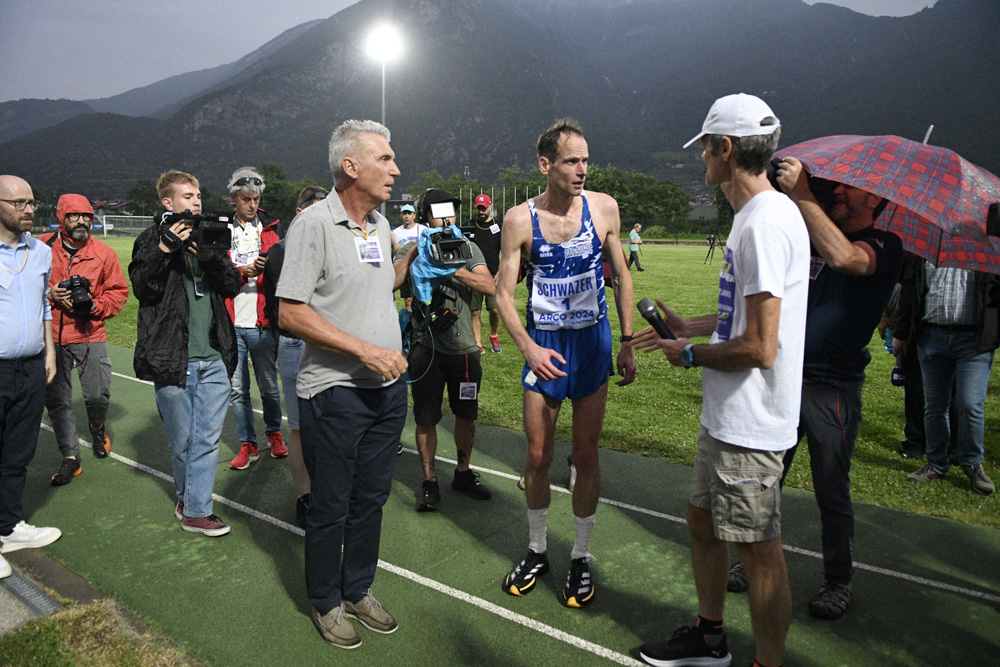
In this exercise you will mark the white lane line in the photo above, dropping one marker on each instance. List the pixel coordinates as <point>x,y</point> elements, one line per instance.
<point>530,623</point>
<point>929,583</point>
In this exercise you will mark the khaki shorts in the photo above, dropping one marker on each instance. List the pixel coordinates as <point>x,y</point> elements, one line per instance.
<point>739,486</point>
<point>476,303</point>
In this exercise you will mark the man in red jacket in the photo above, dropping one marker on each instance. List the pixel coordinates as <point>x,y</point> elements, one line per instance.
<point>254,232</point>
<point>87,286</point>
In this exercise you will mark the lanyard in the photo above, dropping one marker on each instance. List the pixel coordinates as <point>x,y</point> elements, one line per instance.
<point>24,263</point>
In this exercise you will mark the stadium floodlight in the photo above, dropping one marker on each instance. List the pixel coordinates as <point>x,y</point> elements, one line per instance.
<point>385,44</point>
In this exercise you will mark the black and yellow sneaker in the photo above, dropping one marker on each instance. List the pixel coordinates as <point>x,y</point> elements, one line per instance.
<point>579,588</point>
<point>521,580</point>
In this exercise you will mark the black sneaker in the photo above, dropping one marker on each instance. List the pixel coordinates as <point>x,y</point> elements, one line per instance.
<point>301,507</point>
<point>101,441</point>
<point>521,580</point>
<point>467,481</point>
<point>579,588</point>
<point>737,578</point>
<point>430,497</point>
<point>911,451</point>
<point>69,469</point>
<point>687,646</point>
<point>832,600</point>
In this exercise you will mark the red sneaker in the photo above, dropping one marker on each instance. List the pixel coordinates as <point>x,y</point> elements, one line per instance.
<point>210,525</point>
<point>248,454</point>
<point>278,449</point>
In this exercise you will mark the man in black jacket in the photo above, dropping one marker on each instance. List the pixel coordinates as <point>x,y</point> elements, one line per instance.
<point>186,345</point>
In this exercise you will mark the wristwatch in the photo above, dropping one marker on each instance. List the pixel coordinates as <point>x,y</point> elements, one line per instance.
<point>687,356</point>
<point>625,339</point>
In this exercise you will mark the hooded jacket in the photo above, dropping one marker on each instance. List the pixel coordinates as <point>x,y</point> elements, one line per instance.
<point>96,262</point>
<point>161,349</point>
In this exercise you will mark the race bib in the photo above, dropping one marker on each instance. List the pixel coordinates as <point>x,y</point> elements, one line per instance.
<point>565,303</point>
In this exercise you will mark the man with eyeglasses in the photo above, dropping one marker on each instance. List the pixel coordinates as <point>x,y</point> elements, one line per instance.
<point>254,232</point>
<point>27,361</point>
<point>78,312</point>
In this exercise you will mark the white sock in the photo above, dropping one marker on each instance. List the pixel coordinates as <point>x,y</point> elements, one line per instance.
<point>537,525</point>
<point>584,527</point>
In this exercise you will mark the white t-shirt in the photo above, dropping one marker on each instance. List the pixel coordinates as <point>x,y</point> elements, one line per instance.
<point>246,247</point>
<point>767,251</point>
<point>404,235</point>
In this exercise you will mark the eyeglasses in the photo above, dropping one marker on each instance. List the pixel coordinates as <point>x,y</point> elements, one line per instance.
<point>247,180</point>
<point>316,196</point>
<point>19,204</point>
<point>76,217</point>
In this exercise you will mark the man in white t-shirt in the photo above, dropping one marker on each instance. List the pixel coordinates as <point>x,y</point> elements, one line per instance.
<point>409,230</point>
<point>751,389</point>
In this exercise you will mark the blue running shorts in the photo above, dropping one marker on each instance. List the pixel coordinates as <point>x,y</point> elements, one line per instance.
<point>588,361</point>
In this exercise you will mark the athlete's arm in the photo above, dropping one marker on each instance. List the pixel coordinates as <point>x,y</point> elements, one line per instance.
<point>515,242</point>
<point>607,209</point>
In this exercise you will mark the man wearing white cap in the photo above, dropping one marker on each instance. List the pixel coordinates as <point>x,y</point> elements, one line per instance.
<point>751,389</point>
<point>409,230</point>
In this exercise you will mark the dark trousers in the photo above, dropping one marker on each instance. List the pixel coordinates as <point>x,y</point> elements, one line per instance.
<point>349,441</point>
<point>633,257</point>
<point>913,401</point>
<point>22,400</point>
<point>829,418</point>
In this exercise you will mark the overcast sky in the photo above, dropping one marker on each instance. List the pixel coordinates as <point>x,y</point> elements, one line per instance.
<point>84,49</point>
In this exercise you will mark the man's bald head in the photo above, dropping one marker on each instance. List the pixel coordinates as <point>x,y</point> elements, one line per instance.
<point>10,184</point>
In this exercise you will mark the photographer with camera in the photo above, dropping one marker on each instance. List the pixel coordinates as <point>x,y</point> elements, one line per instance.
<point>186,344</point>
<point>87,286</point>
<point>443,350</point>
<point>254,232</point>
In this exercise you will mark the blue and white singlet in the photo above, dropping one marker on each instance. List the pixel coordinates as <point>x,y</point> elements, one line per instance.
<point>565,280</point>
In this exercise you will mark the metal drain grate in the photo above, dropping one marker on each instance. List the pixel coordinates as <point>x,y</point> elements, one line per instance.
<point>30,595</point>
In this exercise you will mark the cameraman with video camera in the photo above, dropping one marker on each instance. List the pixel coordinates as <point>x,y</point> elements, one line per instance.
<point>186,343</point>
<point>443,349</point>
<point>86,287</point>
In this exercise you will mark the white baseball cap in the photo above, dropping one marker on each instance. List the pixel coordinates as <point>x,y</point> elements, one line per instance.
<point>738,115</point>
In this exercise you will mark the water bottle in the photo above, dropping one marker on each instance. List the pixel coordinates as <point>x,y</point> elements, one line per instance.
<point>888,339</point>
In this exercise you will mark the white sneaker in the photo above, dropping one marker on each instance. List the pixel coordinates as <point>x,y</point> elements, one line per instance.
<point>26,536</point>
<point>5,570</point>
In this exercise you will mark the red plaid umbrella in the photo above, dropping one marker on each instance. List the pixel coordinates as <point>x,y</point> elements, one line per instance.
<point>938,201</point>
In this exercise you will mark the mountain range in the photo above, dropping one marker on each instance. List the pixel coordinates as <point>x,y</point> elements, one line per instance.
<point>482,78</point>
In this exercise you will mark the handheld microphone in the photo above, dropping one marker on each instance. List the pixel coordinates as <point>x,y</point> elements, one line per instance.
<point>649,312</point>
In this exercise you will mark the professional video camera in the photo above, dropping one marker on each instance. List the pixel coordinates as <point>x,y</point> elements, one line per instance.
<point>79,288</point>
<point>446,248</point>
<point>209,231</point>
<point>821,188</point>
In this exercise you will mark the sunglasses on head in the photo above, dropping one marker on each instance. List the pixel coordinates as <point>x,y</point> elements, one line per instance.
<point>247,180</point>
<point>316,196</point>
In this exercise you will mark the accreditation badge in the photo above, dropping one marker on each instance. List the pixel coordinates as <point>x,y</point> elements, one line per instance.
<point>369,250</point>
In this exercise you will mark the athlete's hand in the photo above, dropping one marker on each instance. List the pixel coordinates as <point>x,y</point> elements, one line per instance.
<point>390,364</point>
<point>540,362</point>
<point>626,365</point>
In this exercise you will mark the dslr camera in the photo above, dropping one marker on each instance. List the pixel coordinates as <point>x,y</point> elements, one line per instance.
<point>79,289</point>
<point>209,231</point>
<point>821,188</point>
<point>446,248</point>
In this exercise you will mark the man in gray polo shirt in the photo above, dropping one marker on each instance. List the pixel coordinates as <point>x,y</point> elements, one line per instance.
<point>336,294</point>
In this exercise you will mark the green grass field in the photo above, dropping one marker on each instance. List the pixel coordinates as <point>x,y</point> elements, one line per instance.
<point>657,416</point>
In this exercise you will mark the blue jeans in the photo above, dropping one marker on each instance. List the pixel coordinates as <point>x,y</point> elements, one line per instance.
<point>289,355</point>
<point>259,345</point>
<point>193,416</point>
<point>945,356</point>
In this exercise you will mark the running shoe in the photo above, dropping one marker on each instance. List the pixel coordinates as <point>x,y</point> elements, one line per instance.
<point>468,482</point>
<point>687,646</point>
<point>521,580</point>
<point>495,343</point>
<point>69,469</point>
<point>101,441</point>
<point>579,588</point>
<point>248,454</point>
<point>278,448</point>
<point>430,496</point>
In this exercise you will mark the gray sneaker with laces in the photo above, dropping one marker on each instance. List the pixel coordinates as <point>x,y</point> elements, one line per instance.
<point>981,482</point>
<point>371,614</point>
<point>925,473</point>
<point>336,628</point>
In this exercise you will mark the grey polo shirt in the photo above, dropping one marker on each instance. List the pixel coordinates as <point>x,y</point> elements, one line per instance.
<point>323,268</point>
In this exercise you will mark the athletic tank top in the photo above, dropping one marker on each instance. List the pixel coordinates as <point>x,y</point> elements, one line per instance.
<point>565,280</point>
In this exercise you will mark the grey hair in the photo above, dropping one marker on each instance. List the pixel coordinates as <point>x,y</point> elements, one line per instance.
<point>344,141</point>
<point>751,153</point>
<point>249,188</point>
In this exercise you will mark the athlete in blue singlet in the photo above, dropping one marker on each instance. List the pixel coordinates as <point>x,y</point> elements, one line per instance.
<point>566,345</point>
<point>567,311</point>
